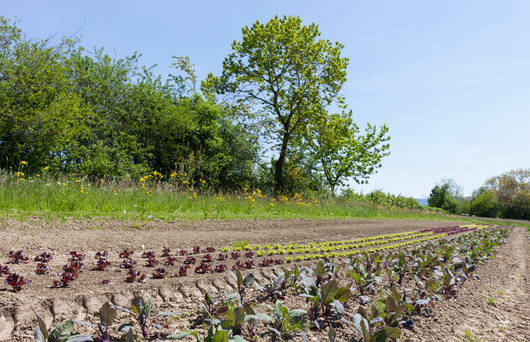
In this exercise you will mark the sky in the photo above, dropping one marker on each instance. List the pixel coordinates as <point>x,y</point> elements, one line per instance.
<point>450,78</point>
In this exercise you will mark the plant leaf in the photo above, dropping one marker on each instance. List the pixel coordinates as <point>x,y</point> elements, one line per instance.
<point>62,331</point>
<point>107,314</point>
<point>125,327</point>
<point>42,326</point>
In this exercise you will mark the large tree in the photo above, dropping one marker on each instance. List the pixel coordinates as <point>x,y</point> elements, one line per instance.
<point>289,74</point>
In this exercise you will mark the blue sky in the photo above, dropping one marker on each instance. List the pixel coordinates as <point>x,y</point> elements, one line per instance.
<point>451,79</point>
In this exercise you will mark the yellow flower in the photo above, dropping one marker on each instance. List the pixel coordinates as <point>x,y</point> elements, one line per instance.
<point>271,204</point>
<point>46,168</point>
<point>203,181</point>
<point>23,163</point>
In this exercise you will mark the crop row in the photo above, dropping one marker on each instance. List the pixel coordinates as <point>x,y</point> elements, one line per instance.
<point>370,297</point>
<point>201,260</point>
<point>248,247</point>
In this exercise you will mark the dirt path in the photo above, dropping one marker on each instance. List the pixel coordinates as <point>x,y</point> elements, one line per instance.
<point>494,308</point>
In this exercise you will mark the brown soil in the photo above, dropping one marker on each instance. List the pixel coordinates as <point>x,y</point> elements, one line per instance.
<point>495,307</point>
<point>85,295</point>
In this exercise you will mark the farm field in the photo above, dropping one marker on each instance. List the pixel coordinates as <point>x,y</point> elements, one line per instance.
<point>273,246</point>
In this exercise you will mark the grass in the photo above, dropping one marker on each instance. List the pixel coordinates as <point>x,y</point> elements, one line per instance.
<point>73,198</point>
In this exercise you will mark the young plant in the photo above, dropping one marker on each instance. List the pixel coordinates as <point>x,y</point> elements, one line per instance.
<point>62,333</point>
<point>384,334</point>
<point>285,322</point>
<point>76,256</point>
<point>324,299</point>
<point>17,257</point>
<point>159,273</point>
<point>42,268</point>
<point>166,252</point>
<point>128,263</point>
<point>126,253</point>
<point>134,275</point>
<point>242,283</point>
<point>16,281</point>
<point>140,311</point>
<point>43,257</point>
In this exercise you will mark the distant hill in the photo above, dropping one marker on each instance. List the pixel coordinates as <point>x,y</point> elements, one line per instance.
<point>423,201</point>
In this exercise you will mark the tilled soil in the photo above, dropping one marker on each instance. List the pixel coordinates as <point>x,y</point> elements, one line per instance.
<point>83,298</point>
<point>495,307</point>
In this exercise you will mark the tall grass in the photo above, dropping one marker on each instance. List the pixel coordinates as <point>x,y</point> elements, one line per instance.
<point>67,197</point>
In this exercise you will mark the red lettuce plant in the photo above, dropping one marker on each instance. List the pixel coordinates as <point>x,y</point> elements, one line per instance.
<point>126,254</point>
<point>159,273</point>
<point>44,257</point>
<point>17,257</point>
<point>16,281</point>
<point>76,256</point>
<point>4,270</point>
<point>134,275</point>
<point>42,268</point>
<point>170,261</point>
<point>203,268</point>
<point>128,263</point>
<point>148,254</point>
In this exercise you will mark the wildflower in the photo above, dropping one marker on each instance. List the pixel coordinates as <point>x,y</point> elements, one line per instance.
<point>23,163</point>
<point>46,168</point>
<point>271,204</point>
<point>203,181</point>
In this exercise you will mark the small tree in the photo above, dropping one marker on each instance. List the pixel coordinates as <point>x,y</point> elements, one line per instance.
<point>336,143</point>
<point>484,203</point>
<point>441,197</point>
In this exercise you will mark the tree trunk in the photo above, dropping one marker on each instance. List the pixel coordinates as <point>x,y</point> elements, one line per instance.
<point>278,181</point>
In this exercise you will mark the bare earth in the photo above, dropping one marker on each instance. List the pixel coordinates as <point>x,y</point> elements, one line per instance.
<point>505,278</point>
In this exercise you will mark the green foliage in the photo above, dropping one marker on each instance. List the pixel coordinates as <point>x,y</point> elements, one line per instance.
<point>61,333</point>
<point>512,191</point>
<point>335,142</point>
<point>383,199</point>
<point>441,197</point>
<point>288,73</point>
<point>87,113</point>
<point>484,203</point>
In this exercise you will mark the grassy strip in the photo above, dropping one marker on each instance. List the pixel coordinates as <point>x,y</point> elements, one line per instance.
<point>71,198</point>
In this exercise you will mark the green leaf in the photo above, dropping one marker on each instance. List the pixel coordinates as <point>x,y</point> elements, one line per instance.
<point>385,334</point>
<point>220,336</point>
<point>62,331</point>
<point>137,305</point>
